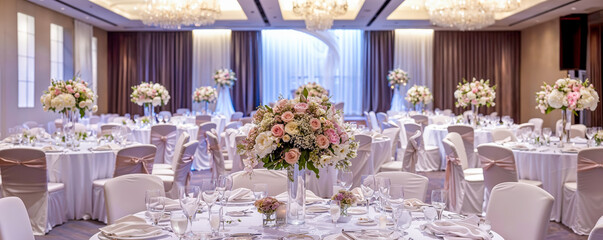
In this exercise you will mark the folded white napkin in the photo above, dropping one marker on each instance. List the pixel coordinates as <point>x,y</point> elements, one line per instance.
<point>241,194</point>
<point>172,205</point>
<point>107,147</point>
<point>131,226</point>
<point>571,149</point>
<point>413,203</point>
<point>358,193</point>
<point>506,140</point>
<point>50,148</point>
<point>455,229</point>
<point>310,197</point>
<point>579,140</point>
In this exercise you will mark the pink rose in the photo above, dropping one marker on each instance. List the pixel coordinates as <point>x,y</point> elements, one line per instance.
<point>344,137</point>
<point>77,95</point>
<point>315,124</point>
<point>287,116</point>
<point>278,130</point>
<point>334,139</point>
<point>301,107</point>
<point>330,132</point>
<point>322,141</point>
<point>282,103</point>
<point>292,156</point>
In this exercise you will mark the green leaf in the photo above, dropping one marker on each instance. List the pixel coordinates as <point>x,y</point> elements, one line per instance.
<point>305,93</point>
<point>313,168</point>
<point>269,108</point>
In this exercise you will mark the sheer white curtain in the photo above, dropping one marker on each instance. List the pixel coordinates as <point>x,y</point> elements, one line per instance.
<point>211,51</point>
<point>291,58</point>
<point>414,54</point>
<point>83,51</point>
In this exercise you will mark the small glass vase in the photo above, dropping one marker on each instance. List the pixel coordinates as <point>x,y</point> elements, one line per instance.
<point>296,194</point>
<point>269,219</point>
<point>475,120</point>
<point>565,119</point>
<point>149,113</point>
<point>344,217</point>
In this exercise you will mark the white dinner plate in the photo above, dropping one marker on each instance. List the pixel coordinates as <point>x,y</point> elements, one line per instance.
<point>356,211</point>
<point>317,209</point>
<point>162,234</point>
<point>366,222</point>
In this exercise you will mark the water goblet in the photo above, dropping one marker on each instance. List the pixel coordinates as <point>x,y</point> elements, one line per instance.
<point>368,187</point>
<point>155,203</point>
<point>189,201</point>
<point>438,200</point>
<point>590,133</point>
<point>403,220</point>
<point>260,190</point>
<point>344,179</point>
<point>209,194</point>
<point>179,223</point>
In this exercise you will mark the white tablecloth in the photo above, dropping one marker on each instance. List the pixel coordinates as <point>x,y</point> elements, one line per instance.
<point>319,226</point>
<point>143,135</point>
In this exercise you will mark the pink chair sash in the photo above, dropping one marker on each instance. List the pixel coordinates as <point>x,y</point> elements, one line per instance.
<point>164,143</point>
<point>411,154</point>
<point>585,164</point>
<point>124,164</point>
<point>33,163</point>
<point>507,163</point>
<point>184,166</point>
<point>450,183</point>
<point>468,137</point>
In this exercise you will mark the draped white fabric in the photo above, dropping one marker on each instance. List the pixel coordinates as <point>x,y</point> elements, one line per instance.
<point>333,59</point>
<point>83,51</point>
<point>414,54</point>
<point>224,104</point>
<point>211,51</point>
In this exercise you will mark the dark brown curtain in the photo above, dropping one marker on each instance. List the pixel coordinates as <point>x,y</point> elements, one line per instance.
<point>487,55</point>
<point>379,60</point>
<point>159,57</point>
<point>245,62</point>
<point>594,67</point>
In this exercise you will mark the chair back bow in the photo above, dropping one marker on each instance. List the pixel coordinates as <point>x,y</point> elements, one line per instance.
<point>468,137</point>
<point>507,163</point>
<point>32,163</point>
<point>450,183</point>
<point>585,164</point>
<point>123,164</point>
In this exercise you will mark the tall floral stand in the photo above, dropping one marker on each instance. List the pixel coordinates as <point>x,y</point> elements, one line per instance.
<point>224,105</point>
<point>296,193</point>
<point>397,100</point>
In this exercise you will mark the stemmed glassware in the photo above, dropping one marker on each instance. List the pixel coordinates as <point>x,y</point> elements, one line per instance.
<point>546,133</point>
<point>345,178</point>
<point>590,133</point>
<point>155,203</point>
<point>383,184</point>
<point>224,187</point>
<point>403,219</point>
<point>368,187</point>
<point>179,223</point>
<point>438,200</point>
<point>210,195</point>
<point>395,198</point>
<point>189,202</point>
<point>260,190</point>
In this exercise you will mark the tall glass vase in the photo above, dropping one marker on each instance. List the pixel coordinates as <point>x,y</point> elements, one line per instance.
<point>149,112</point>
<point>69,119</point>
<point>475,118</point>
<point>296,193</point>
<point>565,119</point>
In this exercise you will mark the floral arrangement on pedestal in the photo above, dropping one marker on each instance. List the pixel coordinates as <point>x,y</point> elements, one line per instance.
<point>69,96</point>
<point>225,77</point>
<point>475,94</point>
<point>418,95</point>
<point>150,95</point>
<point>569,95</point>
<point>397,77</point>
<point>314,90</point>
<point>267,207</point>
<point>345,199</point>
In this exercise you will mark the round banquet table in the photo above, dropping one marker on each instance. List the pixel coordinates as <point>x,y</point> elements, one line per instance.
<point>143,135</point>
<point>318,226</point>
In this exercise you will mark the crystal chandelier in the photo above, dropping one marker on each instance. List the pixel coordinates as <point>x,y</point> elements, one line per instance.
<point>319,14</point>
<point>467,14</point>
<point>172,14</point>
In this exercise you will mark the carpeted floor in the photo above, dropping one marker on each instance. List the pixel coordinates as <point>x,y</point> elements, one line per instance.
<point>81,230</point>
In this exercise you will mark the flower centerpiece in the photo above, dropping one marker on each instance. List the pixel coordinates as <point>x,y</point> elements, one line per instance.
<point>267,207</point>
<point>475,94</point>
<point>418,95</point>
<point>205,95</point>
<point>298,134</point>
<point>225,78</point>
<point>397,78</point>
<point>569,95</point>
<point>345,199</point>
<point>314,90</point>
<point>598,137</point>
<point>150,95</point>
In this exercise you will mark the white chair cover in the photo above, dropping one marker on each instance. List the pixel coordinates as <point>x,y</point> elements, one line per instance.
<point>465,193</point>
<point>217,163</point>
<point>421,120</point>
<point>202,158</point>
<point>94,120</point>
<point>468,135</point>
<point>498,163</point>
<point>429,156</point>
<point>582,199</point>
<point>529,126</point>
<point>392,131</point>
<point>246,120</point>
<point>200,119</point>
<point>360,164</point>
<point>237,160</point>
<point>440,119</point>
<point>494,114</point>
<point>24,175</point>
<point>182,170</point>
<point>537,124</point>
<point>125,195</point>
<point>14,221</point>
<point>30,124</point>
<point>236,116</point>
<point>577,130</point>
<point>374,123</point>
<point>503,134</point>
<point>164,137</point>
<point>411,153</point>
<point>530,206</point>
<point>277,180</point>
<point>323,186</point>
<point>166,169</point>
<point>381,118</point>
<point>595,234</point>
<point>415,186</point>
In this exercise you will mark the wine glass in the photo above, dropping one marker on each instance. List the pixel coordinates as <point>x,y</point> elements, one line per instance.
<point>395,198</point>
<point>189,201</point>
<point>260,190</point>
<point>546,133</point>
<point>383,184</point>
<point>590,133</point>
<point>155,203</point>
<point>345,178</point>
<point>403,220</point>
<point>214,222</point>
<point>368,187</point>
<point>179,223</point>
<point>224,187</point>
<point>209,194</point>
<point>438,200</point>
<point>335,211</point>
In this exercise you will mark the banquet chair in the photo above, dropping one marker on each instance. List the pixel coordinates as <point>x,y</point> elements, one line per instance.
<point>237,161</point>
<point>136,159</point>
<point>30,124</point>
<point>595,234</point>
<point>498,165</point>
<point>94,120</point>
<point>440,119</point>
<point>360,164</point>
<point>374,123</point>
<point>429,158</point>
<point>200,119</point>
<point>468,135</point>
<point>25,175</point>
<point>125,195</point>
<point>338,106</point>
<point>503,134</point>
<point>233,125</point>
<point>537,124</point>
<point>164,137</point>
<point>447,112</point>
<point>217,164</point>
<point>530,208</point>
<point>236,116</point>
<point>120,120</point>
<point>202,158</point>
<point>109,128</point>
<point>415,185</point>
<point>165,168</point>
<point>381,118</point>
<point>182,170</point>
<point>529,126</point>
<point>392,131</point>
<point>494,114</point>
<point>246,120</point>
<point>14,221</point>
<point>421,120</point>
<point>182,111</point>
<point>367,120</point>
<point>577,130</point>
<point>411,156</point>
<point>582,198</point>
<point>465,192</point>
<point>277,180</point>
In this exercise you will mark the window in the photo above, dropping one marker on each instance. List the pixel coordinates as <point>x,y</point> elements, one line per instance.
<point>56,51</point>
<point>333,59</point>
<point>26,56</point>
<point>94,64</point>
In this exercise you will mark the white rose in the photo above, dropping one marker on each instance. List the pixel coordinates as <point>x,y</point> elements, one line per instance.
<point>156,101</point>
<point>471,95</point>
<point>556,99</point>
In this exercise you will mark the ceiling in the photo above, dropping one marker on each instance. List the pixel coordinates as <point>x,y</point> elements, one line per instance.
<point>122,15</point>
